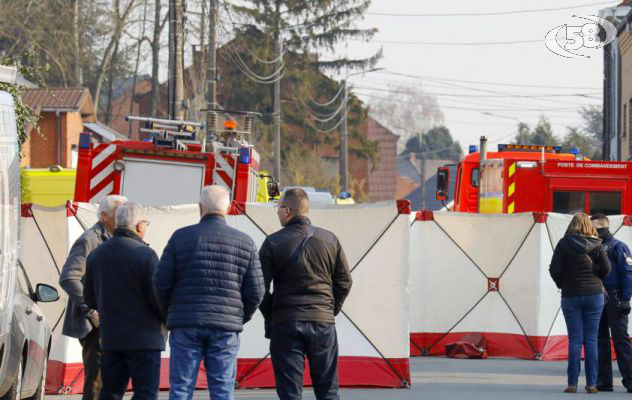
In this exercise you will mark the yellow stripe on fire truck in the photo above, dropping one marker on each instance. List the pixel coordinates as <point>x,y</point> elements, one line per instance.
<point>511,188</point>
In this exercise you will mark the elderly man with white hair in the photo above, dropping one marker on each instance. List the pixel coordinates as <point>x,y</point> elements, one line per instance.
<point>209,283</point>
<point>118,285</point>
<point>80,321</point>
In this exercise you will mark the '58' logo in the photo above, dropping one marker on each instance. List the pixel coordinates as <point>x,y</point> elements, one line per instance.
<point>564,40</point>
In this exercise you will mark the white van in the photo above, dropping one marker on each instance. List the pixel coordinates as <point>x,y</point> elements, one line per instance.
<point>25,335</point>
<point>9,219</point>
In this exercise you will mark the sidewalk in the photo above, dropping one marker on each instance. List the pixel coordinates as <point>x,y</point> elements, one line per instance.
<point>449,379</point>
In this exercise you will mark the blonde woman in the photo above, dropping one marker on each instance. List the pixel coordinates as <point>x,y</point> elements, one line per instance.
<point>579,264</point>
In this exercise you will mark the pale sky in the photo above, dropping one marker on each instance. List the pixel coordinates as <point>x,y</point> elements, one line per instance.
<point>524,63</point>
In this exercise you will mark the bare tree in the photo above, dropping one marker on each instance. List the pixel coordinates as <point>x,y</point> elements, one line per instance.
<point>409,110</point>
<point>119,20</point>
<point>159,25</point>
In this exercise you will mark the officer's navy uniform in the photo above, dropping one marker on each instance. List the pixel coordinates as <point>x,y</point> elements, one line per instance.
<point>614,319</point>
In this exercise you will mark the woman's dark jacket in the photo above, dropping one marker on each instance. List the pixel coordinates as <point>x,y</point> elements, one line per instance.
<point>579,264</point>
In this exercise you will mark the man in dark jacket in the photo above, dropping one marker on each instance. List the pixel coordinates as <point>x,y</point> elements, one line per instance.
<point>614,318</point>
<point>209,282</point>
<point>118,285</point>
<point>311,280</point>
<point>80,321</point>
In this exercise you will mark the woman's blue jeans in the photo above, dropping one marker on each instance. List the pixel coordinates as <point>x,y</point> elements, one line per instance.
<point>582,315</point>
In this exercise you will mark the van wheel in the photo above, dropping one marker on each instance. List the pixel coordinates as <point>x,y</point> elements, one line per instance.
<point>41,388</point>
<point>16,387</point>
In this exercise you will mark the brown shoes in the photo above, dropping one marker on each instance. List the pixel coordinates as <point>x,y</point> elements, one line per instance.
<point>573,389</point>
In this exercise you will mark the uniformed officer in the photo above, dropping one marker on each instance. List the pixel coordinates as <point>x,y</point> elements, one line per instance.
<point>614,319</point>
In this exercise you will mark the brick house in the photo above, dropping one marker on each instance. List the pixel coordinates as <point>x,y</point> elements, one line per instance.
<point>63,112</point>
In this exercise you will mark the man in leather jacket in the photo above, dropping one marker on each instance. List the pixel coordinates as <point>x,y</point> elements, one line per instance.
<point>311,279</point>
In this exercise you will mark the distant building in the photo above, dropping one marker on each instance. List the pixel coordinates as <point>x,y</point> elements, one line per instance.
<point>64,113</point>
<point>617,86</point>
<point>382,180</point>
<point>410,178</point>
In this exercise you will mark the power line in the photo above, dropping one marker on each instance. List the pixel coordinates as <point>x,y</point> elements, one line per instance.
<point>533,10</point>
<point>328,117</point>
<point>245,69</point>
<point>434,78</point>
<point>456,85</point>
<point>423,89</point>
<point>480,95</point>
<point>252,53</point>
<point>460,96</point>
<point>511,42</point>
<point>478,110</point>
<point>330,102</point>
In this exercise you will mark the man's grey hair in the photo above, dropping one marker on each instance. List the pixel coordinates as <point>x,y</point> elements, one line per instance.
<point>109,203</point>
<point>128,215</point>
<point>214,199</point>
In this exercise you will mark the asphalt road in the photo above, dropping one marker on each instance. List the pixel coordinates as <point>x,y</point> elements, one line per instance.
<point>449,379</point>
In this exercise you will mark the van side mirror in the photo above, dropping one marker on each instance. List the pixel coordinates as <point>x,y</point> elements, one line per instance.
<point>45,293</point>
<point>443,184</point>
<point>273,189</point>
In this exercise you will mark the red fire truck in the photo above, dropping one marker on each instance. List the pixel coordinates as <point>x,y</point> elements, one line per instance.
<point>170,167</point>
<point>523,178</point>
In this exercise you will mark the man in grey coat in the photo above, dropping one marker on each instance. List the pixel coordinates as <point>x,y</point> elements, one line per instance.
<point>80,321</point>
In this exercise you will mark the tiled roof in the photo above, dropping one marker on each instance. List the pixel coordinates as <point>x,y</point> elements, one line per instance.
<point>56,98</point>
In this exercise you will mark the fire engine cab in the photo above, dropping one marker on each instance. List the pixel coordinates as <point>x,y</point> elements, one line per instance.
<point>524,178</point>
<point>170,167</point>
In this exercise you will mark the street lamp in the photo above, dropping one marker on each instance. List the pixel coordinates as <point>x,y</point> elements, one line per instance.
<point>344,152</point>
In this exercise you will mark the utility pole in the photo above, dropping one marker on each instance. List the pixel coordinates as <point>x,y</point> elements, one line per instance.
<point>176,61</point>
<point>344,151</point>
<point>277,109</point>
<point>76,17</point>
<point>344,163</point>
<point>211,71</point>
<point>422,171</point>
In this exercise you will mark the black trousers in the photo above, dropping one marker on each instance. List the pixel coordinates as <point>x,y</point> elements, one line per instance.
<point>615,323</point>
<point>142,366</point>
<point>290,343</point>
<point>91,354</point>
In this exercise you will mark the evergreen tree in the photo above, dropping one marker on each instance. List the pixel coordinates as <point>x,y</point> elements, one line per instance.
<point>438,144</point>
<point>524,134</point>
<point>308,27</point>
<point>586,143</point>
<point>542,134</point>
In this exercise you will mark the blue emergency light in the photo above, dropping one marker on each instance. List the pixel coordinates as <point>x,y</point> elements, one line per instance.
<point>244,155</point>
<point>473,148</point>
<point>574,151</point>
<point>344,195</point>
<point>84,140</point>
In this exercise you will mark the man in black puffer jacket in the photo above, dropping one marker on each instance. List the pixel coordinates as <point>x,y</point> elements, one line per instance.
<point>311,280</point>
<point>209,283</point>
<point>118,284</point>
